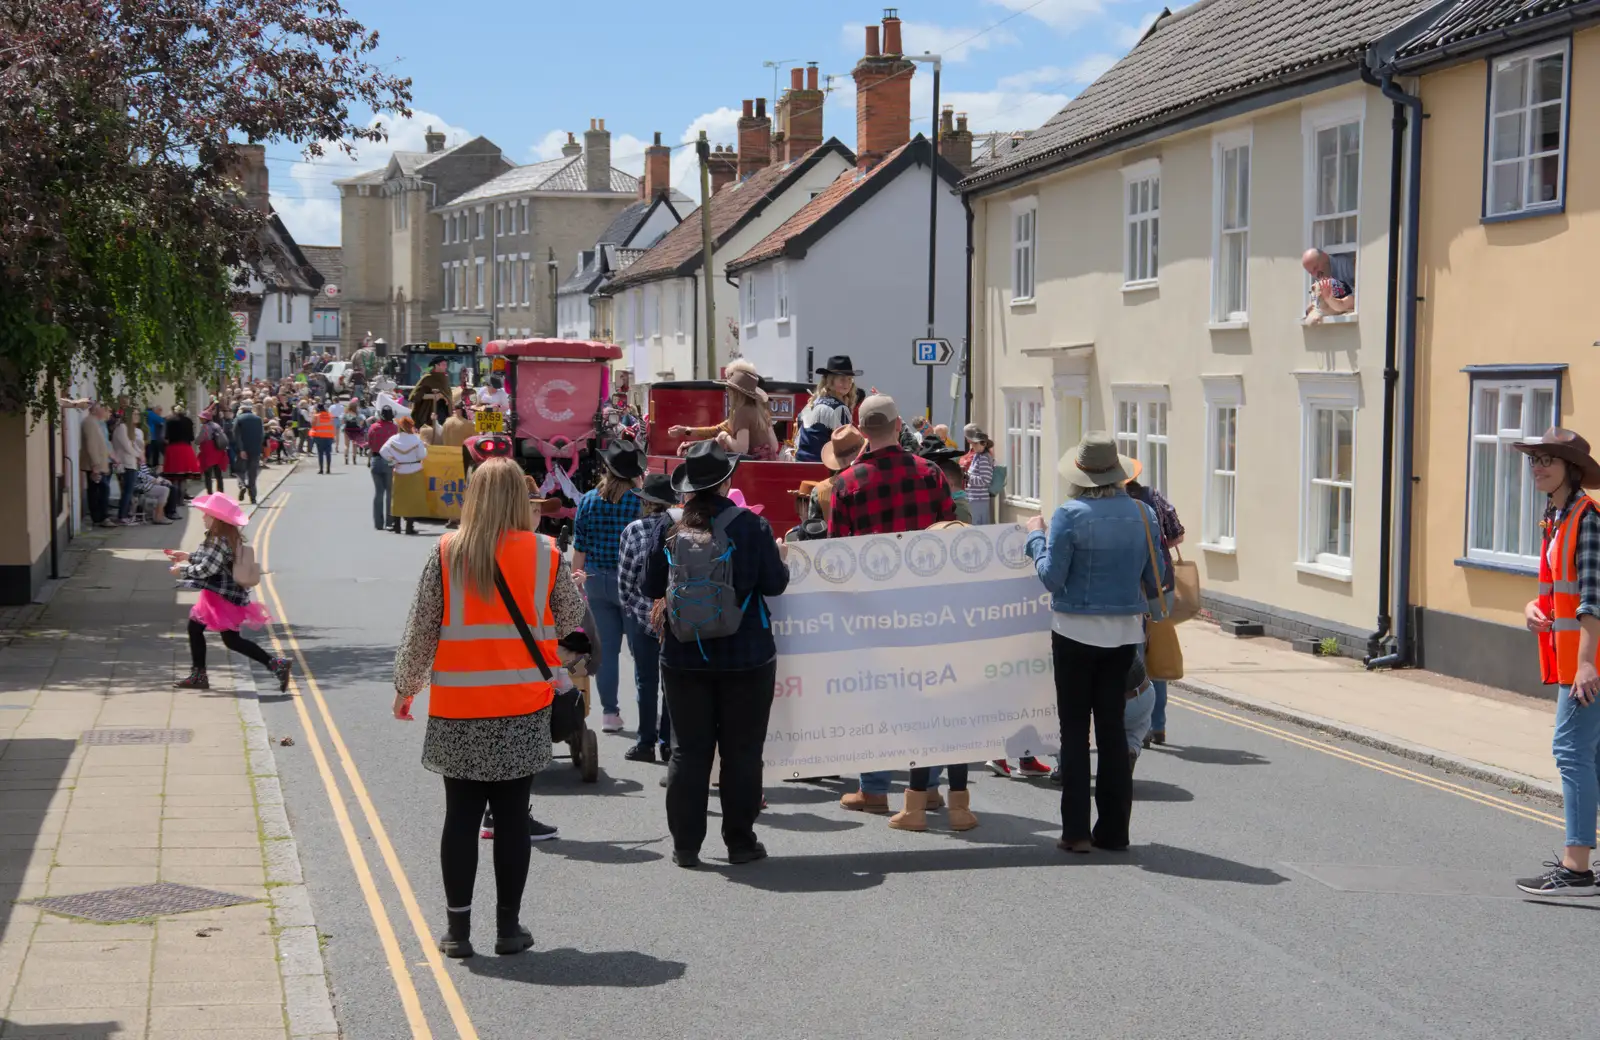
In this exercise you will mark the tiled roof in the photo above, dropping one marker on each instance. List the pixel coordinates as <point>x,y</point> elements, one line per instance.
<point>1206,53</point>
<point>625,223</point>
<point>731,209</point>
<point>1468,23</point>
<point>567,173</point>
<point>328,260</point>
<point>849,191</point>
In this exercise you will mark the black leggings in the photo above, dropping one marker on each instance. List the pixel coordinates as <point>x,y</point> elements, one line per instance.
<point>232,640</point>
<point>464,801</point>
<point>957,774</point>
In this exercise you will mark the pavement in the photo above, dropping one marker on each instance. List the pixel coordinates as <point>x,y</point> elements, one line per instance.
<point>78,817</point>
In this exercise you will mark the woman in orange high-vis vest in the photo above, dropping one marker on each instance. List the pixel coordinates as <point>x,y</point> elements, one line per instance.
<point>1566,616</point>
<point>323,435</point>
<point>488,700</point>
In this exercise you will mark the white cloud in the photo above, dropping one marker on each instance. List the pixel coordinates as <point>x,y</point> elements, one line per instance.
<point>1003,109</point>
<point>1058,14</point>
<point>949,42</point>
<point>307,200</point>
<point>627,150</point>
<point>1054,77</point>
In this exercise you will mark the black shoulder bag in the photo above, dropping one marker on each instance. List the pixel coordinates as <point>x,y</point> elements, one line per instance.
<point>566,710</point>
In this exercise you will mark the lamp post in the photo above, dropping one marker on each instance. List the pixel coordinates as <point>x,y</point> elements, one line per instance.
<point>933,209</point>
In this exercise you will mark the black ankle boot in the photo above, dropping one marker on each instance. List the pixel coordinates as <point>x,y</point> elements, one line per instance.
<point>457,941</point>
<point>512,937</point>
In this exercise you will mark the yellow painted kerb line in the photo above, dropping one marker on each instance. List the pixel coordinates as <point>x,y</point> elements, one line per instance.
<point>447,988</point>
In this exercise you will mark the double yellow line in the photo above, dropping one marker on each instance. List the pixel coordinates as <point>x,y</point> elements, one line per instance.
<point>398,968</point>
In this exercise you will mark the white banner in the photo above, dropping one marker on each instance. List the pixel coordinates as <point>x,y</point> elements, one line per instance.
<point>920,649</point>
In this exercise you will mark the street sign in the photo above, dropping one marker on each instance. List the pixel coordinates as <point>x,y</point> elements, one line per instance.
<point>331,289</point>
<point>239,354</point>
<point>933,352</point>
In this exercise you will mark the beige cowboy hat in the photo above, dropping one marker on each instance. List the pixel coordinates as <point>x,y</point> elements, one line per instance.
<point>1095,462</point>
<point>1569,447</point>
<point>743,377</point>
<point>844,444</point>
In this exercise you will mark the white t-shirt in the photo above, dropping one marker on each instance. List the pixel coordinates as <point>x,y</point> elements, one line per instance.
<point>499,400</point>
<point>1099,629</point>
<point>337,411</point>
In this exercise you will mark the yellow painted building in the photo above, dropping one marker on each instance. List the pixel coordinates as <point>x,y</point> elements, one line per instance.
<point>1508,323</point>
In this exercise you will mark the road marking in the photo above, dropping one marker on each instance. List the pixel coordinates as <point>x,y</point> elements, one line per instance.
<point>1504,805</point>
<point>409,1000</point>
<point>408,898</point>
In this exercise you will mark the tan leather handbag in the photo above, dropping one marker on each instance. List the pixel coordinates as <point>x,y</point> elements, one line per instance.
<point>1163,653</point>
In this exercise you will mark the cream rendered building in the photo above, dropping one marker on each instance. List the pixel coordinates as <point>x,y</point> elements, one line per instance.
<point>1137,269</point>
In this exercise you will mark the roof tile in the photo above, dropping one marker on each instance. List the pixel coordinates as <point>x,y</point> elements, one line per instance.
<point>1476,18</point>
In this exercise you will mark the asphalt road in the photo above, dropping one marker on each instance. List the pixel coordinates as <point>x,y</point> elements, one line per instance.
<point>1277,887</point>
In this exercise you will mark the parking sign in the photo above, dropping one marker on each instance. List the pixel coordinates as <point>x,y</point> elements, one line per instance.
<point>932,352</point>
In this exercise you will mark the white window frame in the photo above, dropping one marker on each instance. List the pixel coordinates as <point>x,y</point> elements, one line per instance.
<point>1529,508</point>
<point>522,217</point>
<point>1024,249</point>
<point>683,310</point>
<point>747,297</point>
<point>1224,394</point>
<point>637,307</point>
<point>1526,158</point>
<point>1312,122</point>
<point>1141,221</point>
<point>1319,392</point>
<point>1024,445</point>
<point>477,279</point>
<point>461,285</point>
<point>780,281</point>
<point>1221,145</point>
<point>444,284</point>
<point>653,309</point>
<point>1146,439</point>
<point>479,224</point>
<point>527,279</point>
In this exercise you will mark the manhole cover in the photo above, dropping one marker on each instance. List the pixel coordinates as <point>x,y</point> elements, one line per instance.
<point>137,736</point>
<point>130,904</point>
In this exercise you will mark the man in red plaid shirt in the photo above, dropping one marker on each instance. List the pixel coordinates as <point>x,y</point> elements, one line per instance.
<point>888,490</point>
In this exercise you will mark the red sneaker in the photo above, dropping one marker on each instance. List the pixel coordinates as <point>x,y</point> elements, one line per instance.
<point>999,767</point>
<point>1032,767</point>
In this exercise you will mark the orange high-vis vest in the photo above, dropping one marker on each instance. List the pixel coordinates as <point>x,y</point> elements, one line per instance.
<point>482,668</point>
<point>322,427</point>
<point>1558,598</point>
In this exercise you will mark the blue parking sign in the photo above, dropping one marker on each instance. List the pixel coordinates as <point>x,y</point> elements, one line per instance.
<point>932,352</point>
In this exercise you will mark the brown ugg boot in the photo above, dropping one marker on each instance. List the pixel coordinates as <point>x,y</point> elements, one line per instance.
<point>914,817</point>
<point>961,817</point>
<point>855,801</point>
<point>935,803</point>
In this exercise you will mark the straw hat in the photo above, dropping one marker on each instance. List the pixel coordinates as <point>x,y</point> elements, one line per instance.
<point>1095,462</point>
<point>742,376</point>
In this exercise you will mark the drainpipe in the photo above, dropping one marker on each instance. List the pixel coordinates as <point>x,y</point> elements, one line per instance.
<point>966,343</point>
<point>1402,654</point>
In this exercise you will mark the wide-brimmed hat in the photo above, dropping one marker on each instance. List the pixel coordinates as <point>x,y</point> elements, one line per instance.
<point>846,443</point>
<point>805,488</point>
<point>705,465</point>
<point>973,432</point>
<point>945,525</point>
<point>743,377</point>
<point>935,451</point>
<point>1568,446</point>
<point>222,507</point>
<point>1095,462</point>
<point>624,458</point>
<point>658,489</point>
<point>839,365</point>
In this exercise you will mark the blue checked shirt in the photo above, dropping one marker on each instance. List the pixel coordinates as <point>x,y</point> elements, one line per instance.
<point>598,527</point>
<point>637,539</point>
<point>1588,556</point>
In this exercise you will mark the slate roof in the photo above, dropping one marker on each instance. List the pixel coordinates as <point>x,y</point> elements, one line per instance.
<point>841,198</point>
<point>1208,53</point>
<point>586,278</point>
<point>1474,23</point>
<point>624,224</point>
<point>732,208</point>
<point>370,177</point>
<point>567,173</point>
<point>328,260</point>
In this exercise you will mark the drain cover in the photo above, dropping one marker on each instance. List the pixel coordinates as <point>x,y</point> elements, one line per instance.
<point>130,904</point>
<point>137,736</point>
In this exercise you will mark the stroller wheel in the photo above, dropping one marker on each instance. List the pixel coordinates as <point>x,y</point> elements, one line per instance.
<point>575,752</point>
<point>590,769</point>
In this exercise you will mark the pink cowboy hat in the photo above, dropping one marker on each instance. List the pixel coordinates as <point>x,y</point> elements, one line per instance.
<point>222,507</point>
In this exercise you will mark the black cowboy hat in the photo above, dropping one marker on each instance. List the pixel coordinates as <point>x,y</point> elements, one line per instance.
<point>658,489</point>
<point>624,458</point>
<point>933,451</point>
<point>839,365</point>
<point>705,465</point>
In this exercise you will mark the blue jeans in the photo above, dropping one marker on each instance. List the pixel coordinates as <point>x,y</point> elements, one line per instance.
<point>1575,745</point>
<point>1137,716</point>
<point>324,451</point>
<point>382,491</point>
<point>1158,715</point>
<point>646,651</point>
<point>607,607</point>
<point>125,484</point>
<point>875,783</point>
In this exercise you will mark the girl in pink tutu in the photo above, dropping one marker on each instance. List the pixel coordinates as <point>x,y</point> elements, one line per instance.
<point>224,604</point>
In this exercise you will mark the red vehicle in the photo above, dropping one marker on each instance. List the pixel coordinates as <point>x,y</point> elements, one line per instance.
<point>558,390</point>
<point>704,403</point>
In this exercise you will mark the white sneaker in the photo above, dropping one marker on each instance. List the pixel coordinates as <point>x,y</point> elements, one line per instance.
<point>612,723</point>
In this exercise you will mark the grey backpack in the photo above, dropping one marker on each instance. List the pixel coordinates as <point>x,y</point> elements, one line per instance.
<point>701,601</point>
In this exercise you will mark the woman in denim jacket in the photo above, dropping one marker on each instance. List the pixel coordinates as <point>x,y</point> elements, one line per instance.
<point>1098,565</point>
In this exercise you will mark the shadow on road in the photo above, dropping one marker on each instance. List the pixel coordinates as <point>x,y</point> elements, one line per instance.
<point>609,852</point>
<point>1186,863</point>
<point>808,823</point>
<point>560,778</point>
<point>1212,756</point>
<point>1160,791</point>
<point>569,967</point>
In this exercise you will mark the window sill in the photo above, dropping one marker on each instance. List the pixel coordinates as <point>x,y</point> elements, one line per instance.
<point>781,321</point>
<point>750,328</point>
<point>1022,303</point>
<point>1142,285</point>
<point>1323,571</point>
<point>1222,550</point>
<point>1528,570</point>
<point>1228,326</point>
<point>1333,319</point>
<point>1023,503</point>
<point>1554,209</point>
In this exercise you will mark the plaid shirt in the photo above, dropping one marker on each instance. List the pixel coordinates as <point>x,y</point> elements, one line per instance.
<point>637,538</point>
<point>889,490</point>
<point>1588,557</point>
<point>210,567</point>
<point>598,527</point>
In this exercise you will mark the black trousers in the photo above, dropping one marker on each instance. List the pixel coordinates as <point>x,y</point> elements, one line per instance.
<point>713,711</point>
<point>958,778</point>
<point>464,802</point>
<point>232,640</point>
<point>1092,680</point>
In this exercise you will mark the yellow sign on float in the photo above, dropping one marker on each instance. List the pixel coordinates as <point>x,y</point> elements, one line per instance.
<point>436,492</point>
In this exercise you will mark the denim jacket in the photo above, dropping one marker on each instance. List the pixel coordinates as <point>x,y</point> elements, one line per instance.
<point>1096,559</point>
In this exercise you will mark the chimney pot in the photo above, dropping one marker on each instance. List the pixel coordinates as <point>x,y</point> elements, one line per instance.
<point>872,41</point>
<point>891,31</point>
<point>797,78</point>
<point>749,109</point>
<point>658,137</point>
<point>761,108</point>
<point>657,170</point>
<point>435,141</point>
<point>961,122</point>
<point>755,138</point>
<point>602,124</point>
<point>572,147</point>
<point>811,76</point>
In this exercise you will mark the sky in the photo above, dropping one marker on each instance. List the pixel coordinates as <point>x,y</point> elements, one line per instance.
<point>524,73</point>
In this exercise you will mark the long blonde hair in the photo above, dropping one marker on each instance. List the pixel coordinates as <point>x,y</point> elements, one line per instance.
<point>835,385</point>
<point>496,505</point>
<point>612,487</point>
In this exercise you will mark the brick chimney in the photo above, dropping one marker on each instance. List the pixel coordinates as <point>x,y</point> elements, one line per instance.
<point>800,114</point>
<point>955,140</point>
<point>435,140</point>
<point>657,169</point>
<point>250,173</point>
<point>724,168</point>
<point>597,156</point>
<point>572,147</point>
<point>755,132</point>
<point>883,95</point>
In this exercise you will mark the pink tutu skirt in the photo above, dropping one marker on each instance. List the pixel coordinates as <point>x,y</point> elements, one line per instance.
<point>218,615</point>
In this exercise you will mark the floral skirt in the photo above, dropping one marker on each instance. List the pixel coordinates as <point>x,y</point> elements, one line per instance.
<point>218,615</point>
